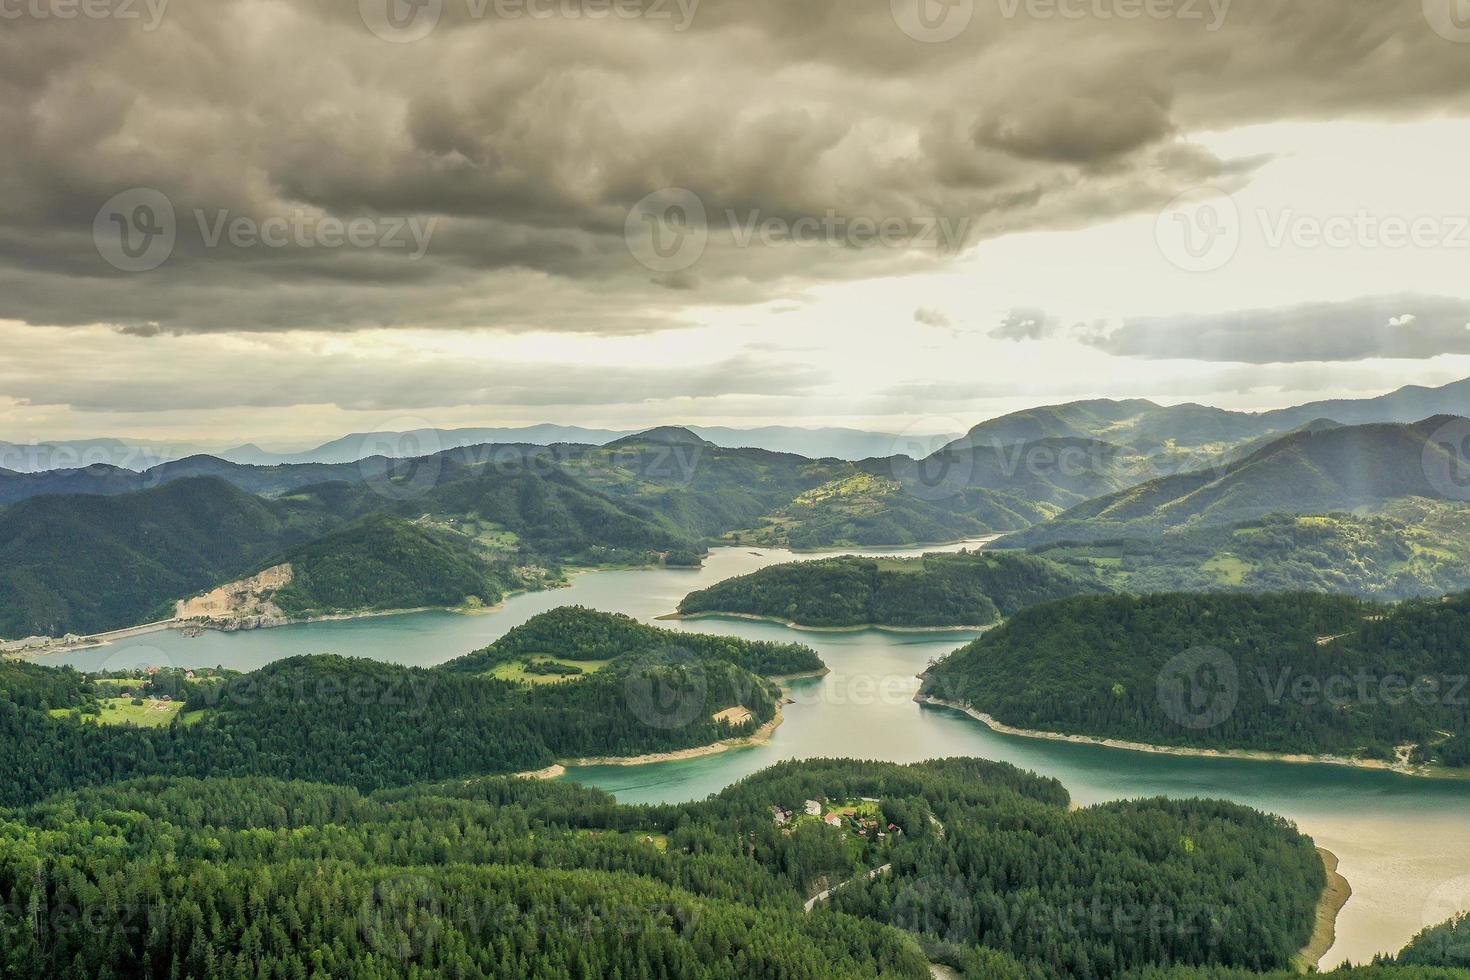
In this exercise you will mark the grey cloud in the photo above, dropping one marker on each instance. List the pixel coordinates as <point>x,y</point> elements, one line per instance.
<point>1026,323</point>
<point>529,140</point>
<point>1384,326</point>
<point>931,317</point>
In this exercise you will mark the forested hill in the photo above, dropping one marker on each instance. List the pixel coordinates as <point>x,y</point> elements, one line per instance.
<point>383,562</point>
<point>988,871</point>
<point>939,589</point>
<point>576,633</point>
<point>1416,547</point>
<point>1288,672</point>
<point>1308,472</point>
<point>369,724</point>
<point>76,563</point>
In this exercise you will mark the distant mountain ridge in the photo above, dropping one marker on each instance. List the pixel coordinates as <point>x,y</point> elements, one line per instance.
<point>1146,426</point>
<point>1310,471</point>
<point>1134,422</point>
<point>137,455</point>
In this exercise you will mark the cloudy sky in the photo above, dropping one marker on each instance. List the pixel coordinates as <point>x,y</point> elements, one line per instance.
<point>238,220</point>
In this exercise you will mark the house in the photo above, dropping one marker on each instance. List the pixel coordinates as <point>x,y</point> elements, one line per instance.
<point>813,808</point>
<point>781,815</point>
<point>832,820</point>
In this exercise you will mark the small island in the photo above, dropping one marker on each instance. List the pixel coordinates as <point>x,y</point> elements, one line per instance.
<point>960,590</point>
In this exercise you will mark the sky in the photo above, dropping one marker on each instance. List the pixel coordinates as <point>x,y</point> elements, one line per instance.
<point>271,222</point>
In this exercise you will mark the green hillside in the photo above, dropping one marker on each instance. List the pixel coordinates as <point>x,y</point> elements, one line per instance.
<point>961,589</point>
<point>1313,471</point>
<point>370,724</point>
<point>383,562</point>
<point>1417,548</point>
<point>84,564</point>
<point>872,510</point>
<point>1281,672</point>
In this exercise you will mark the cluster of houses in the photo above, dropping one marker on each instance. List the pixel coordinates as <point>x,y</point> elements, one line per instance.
<point>861,826</point>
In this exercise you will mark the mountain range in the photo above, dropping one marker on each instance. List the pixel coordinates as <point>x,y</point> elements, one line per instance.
<point>142,454</point>
<point>102,547</point>
<point>1136,423</point>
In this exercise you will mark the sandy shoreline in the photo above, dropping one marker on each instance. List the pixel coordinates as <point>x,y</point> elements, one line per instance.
<point>95,640</point>
<point>1335,894</point>
<point>760,736</point>
<point>1251,755</point>
<point>860,549</point>
<point>755,617</point>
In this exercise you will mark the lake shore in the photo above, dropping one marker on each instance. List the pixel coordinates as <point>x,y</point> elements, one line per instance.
<point>1335,894</point>
<point>839,549</point>
<point>95,640</point>
<point>755,617</point>
<point>760,736</point>
<point>1252,755</point>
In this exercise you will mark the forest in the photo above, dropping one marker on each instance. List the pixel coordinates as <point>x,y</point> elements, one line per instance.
<point>368,724</point>
<point>939,589</point>
<point>989,871</point>
<point>1280,672</point>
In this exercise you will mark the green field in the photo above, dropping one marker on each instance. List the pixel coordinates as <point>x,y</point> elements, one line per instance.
<point>122,711</point>
<point>516,670</point>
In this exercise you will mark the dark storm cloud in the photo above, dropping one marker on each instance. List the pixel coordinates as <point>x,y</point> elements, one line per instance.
<point>1385,326</point>
<point>527,140</point>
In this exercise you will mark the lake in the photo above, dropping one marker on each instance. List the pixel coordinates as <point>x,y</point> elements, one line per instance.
<point>1404,842</point>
